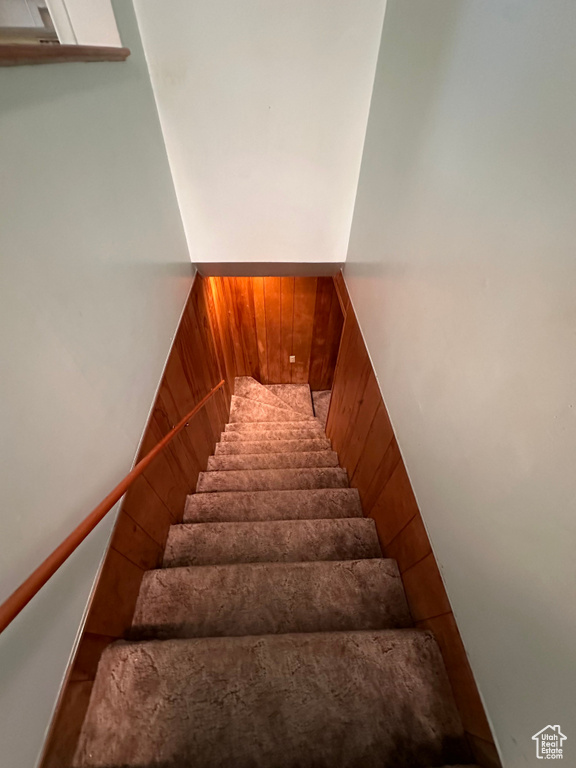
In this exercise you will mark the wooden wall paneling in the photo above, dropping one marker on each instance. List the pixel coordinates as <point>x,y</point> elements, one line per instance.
<point>361,432</point>
<point>305,289</point>
<point>341,402</point>
<point>199,354</point>
<point>379,459</point>
<point>261,321</point>
<point>115,597</point>
<point>183,449</point>
<point>483,751</point>
<point>234,319</point>
<point>88,656</point>
<point>410,545</point>
<point>334,334</point>
<point>286,327</point>
<point>135,544</point>
<point>395,506</point>
<point>360,409</point>
<point>71,712</point>
<point>272,293</point>
<point>368,403</point>
<point>166,474</point>
<point>218,313</point>
<point>206,310</point>
<point>153,503</point>
<point>425,590</point>
<point>319,349</point>
<point>342,292</point>
<point>227,322</point>
<point>146,508</point>
<point>465,692</point>
<point>260,324</point>
<point>243,290</point>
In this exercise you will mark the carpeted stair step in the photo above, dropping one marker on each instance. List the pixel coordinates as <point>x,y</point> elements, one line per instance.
<point>244,410</point>
<point>273,460</point>
<point>296,396</point>
<point>270,598</point>
<point>279,541</point>
<point>346,699</point>
<point>273,426</point>
<point>261,434</point>
<point>272,479</point>
<point>242,506</point>
<point>272,446</point>
<point>246,386</point>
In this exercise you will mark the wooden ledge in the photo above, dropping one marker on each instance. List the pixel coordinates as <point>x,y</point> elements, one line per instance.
<point>14,55</point>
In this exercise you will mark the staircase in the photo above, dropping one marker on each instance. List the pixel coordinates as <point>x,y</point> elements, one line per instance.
<point>275,635</point>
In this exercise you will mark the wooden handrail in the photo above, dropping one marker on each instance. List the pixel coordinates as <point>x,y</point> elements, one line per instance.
<point>26,591</point>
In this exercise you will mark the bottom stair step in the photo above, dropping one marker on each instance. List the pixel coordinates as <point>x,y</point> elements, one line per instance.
<point>274,541</point>
<point>267,598</point>
<point>342,699</point>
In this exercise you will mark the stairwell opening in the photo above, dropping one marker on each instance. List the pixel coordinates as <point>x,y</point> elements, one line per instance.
<point>270,597</point>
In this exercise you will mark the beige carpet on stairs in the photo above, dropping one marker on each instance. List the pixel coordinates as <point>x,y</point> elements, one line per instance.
<point>275,635</point>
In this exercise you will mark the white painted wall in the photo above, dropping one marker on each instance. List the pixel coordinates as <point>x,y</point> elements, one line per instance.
<point>94,275</point>
<point>462,269</point>
<point>85,22</point>
<point>263,107</point>
<point>20,13</point>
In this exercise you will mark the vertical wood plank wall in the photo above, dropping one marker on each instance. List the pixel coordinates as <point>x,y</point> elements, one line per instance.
<point>261,321</point>
<point>153,503</point>
<point>362,434</point>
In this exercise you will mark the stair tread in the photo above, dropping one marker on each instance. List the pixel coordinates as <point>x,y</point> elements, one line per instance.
<point>248,387</point>
<point>270,426</point>
<point>244,410</point>
<point>273,435</point>
<point>349,699</point>
<point>294,459</point>
<point>296,396</point>
<point>272,446</point>
<point>235,506</point>
<point>271,541</point>
<point>266,598</point>
<point>271,479</point>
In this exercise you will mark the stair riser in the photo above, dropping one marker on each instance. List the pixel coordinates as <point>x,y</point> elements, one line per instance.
<point>271,480</point>
<point>271,542</point>
<point>271,446</point>
<point>333,503</point>
<point>274,461</point>
<point>263,599</point>
<point>369,699</point>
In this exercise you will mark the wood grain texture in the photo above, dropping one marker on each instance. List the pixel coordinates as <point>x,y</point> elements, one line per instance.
<point>465,692</point>
<point>197,362</point>
<point>262,321</point>
<point>305,289</point>
<point>361,432</point>
<point>14,55</point>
